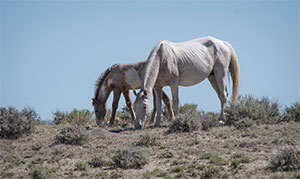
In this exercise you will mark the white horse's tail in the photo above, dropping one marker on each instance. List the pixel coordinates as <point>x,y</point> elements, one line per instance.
<point>234,71</point>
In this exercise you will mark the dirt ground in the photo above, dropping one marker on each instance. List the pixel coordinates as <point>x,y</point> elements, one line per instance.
<point>220,152</point>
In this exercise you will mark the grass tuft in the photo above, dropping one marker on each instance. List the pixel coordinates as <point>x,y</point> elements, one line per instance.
<point>129,158</point>
<point>72,135</point>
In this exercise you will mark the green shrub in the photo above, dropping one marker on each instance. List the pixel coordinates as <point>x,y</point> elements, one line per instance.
<point>40,172</point>
<point>211,172</point>
<point>81,166</point>
<point>101,175</point>
<point>155,173</point>
<point>286,159</point>
<point>98,161</point>
<point>126,159</point>
<point>79,117</point>
<point>187,122</point>
<point>188,108</point>
<point>236,162</point>
<point>14,123</point>
<point>147,140</point>
<point>73,135</point>
<point>243,123</point>
<point>262,111</point>
<point>292,113</point>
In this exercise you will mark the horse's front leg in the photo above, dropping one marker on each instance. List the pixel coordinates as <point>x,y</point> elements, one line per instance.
<point>117,94</point>
<point>129,104</point>
<point>153,114</point>
<point>158,93</point>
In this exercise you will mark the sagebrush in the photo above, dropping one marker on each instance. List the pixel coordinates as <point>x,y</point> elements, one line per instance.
<point>129,158</point>
<point>14,123</point>
<point>261,111</point>
<point>292,113</point>
<point>73,135</point>
<point>79,117</point>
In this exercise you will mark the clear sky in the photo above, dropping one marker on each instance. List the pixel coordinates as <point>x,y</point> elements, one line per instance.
<point>52,52</point>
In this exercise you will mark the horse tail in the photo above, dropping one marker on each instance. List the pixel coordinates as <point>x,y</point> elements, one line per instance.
<point>234,71</point>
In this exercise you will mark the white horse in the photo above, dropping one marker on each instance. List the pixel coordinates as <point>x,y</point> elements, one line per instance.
<point>186,64</point>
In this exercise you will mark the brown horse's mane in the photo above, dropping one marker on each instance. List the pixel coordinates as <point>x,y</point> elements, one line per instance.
<point>100,80</point>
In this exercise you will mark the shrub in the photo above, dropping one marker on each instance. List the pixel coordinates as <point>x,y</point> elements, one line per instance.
<point>14,123</point>
<point>187,122</point>
<point>73,135</point>
<point>262,111</point>
<point>188,108</point>
<point>126,159</point>
<point>209,120</point>
<point>40,172</point>
<point>211,172</point>
<point>155,173</point>
<point>147,140</point>
<point>292,113</point>
<point>236,162</point>
<point>286,159</point>
<point>81,166</point>
<point>79,117</point>
<point>243,123</point>
<point>98,161</point>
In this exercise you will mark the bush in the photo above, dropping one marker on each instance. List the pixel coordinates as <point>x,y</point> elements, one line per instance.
<point>185,123</point>
<point>292,113</point>
<point>81,166</point>
<point>79,117</point>
<point>262,111</point>
<point>188,108</point>
<point>126,159</point>
<point>286,159</point>
<point>73,135</point>
<point>14,123</point>
<point>98,161</point>
<point>147,140</point>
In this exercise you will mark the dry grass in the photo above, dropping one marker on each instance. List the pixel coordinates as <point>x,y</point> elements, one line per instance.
<point>241,150</point>
<point>223,151</point>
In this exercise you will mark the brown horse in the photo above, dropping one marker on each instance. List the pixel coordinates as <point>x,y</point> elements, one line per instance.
<point>120,78</point>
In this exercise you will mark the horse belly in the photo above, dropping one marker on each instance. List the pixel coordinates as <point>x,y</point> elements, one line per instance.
<point>132,78</point>
<point>192,75</point>
<point>191,80</point>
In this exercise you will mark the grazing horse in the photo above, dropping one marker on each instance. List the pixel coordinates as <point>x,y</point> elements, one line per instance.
<point>120,78</point>
<point>186,64</point>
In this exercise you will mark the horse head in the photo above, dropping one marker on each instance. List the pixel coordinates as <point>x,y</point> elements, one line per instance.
<point>142,108</point>
<point>100,111</point>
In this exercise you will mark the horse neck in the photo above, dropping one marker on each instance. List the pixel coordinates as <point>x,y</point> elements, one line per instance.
<point>150,71</point>
<point>103,93</point>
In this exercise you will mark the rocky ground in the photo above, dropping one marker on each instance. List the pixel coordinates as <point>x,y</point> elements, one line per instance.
<point>220,152</point>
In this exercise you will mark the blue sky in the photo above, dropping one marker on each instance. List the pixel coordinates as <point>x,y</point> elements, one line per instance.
<point>52,52</point>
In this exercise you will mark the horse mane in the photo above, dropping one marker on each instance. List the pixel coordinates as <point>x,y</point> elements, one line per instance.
<point>100,80</point>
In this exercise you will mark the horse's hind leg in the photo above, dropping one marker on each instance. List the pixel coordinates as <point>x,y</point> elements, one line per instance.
<point>129,104</point>
<point>214,84</point>
<point>117,94</point>
<point>220,75</point>
<point>168,103</point>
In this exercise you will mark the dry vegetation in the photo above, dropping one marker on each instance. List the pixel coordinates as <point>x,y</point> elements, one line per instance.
<point>248,147</point>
